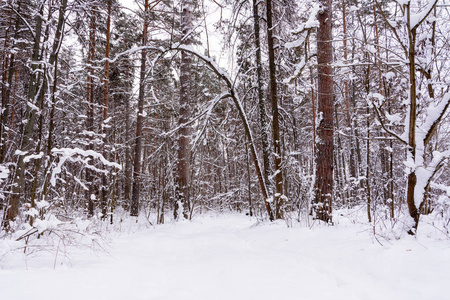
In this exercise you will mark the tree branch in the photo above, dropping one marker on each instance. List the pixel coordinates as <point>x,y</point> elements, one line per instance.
<point>387,129</point>
<point>438,120</point>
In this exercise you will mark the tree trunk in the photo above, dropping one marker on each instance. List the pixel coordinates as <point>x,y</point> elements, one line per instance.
<point>279,196</point>
<point>260,94</point>
<point>182,205</point>
<point>8,72</point>
<point>54,61</point>
<point>128,161</point>
<point>104,195</point>
<point>412,179</point>
<point>324,158</point>
<point>27,141</point>
<point>90,113</point>
<point>139,123</point>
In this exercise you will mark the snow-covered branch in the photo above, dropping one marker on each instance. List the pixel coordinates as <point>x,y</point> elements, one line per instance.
<point>70,153</point>
<point>434,116</point>
<point>419,18</point>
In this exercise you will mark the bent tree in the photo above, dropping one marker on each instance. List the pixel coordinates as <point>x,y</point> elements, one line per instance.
<point>233,94</point>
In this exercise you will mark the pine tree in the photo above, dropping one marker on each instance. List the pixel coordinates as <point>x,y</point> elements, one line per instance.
<point>325,143</point>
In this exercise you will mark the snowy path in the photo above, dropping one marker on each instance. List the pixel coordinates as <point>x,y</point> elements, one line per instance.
<point>229,258</point>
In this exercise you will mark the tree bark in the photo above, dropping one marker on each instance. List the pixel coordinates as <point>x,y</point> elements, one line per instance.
<point>182,205</point>
<point>26,144</point>
<point>90,113</point>
<point>275,116</point>
<point>324,158</point>
<point>412,179</point>
<point>104,195</point>
<point>8,72</point>
<point>54,61</point>
<point>260,94</point>
<point>140,121</point>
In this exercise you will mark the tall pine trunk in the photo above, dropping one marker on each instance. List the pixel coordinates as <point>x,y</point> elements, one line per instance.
<point>53,61</point>
<point>324,158</point>
<point>104,196</point>
<point>8,72</point>
<point>27,140</point>
<point>90,112</point>
<point>260,94</point>
<point>140,122</point>
<point>275,116</point>
<point>182,205</point>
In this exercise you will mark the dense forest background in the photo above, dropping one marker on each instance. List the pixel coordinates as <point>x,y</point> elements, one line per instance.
<point>106,106</point>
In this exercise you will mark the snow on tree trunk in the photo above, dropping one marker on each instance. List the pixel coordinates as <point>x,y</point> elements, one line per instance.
<point>182,203</point>
<point>324,157</point>
<point>140,121</point>
<point>279,197</point>
<point>260,93</point>
<point>32,110</point>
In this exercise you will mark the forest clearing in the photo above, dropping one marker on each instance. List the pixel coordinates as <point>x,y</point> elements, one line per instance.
<point>232,256</point>
<point>217,149</point>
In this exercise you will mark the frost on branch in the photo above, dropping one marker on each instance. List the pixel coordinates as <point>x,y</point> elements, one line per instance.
<point>79,155</point>
<point>417,19</point>
<point>425,171</point>
<point>312,21</point>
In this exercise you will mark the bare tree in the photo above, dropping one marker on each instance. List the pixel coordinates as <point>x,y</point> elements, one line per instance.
<point>420,164</point>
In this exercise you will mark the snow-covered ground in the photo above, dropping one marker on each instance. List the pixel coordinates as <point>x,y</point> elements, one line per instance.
<point>235,257</point>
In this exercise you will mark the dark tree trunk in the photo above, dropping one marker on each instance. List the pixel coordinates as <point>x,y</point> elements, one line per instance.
<point>27,141</point>
<point>275,116</point>
<point>324,158</point>
<point>104,195</point>
<point>260,94</point>
<point>139,123</point>
<point>128,159</point>
<point>182,202</point>
<point>53,61</point>
<point>90,113</point>
<point>412,179</point>
<point>8,72</point>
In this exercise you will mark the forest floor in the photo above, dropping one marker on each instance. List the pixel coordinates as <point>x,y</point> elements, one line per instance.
<point>234,257</point>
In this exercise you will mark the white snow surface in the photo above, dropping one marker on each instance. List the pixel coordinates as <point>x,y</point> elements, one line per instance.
<point>235,257</point>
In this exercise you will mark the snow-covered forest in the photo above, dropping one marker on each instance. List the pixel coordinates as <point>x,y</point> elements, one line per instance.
<point>125,116</point>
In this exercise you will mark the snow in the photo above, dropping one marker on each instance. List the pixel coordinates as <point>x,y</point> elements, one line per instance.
<point>311,23</point>
<point>425,171</point>
<point>71,153</point>
<point>34,156</point>
<point>433,113</point>
<point>234,257</point>
<point>416,19</point>
<point>4,172</point>
<point>19,152</point>
<point>394,119</point>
